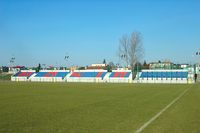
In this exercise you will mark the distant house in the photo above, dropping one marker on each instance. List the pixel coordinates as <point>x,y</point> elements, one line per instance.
<point>97,66</point>
<point>161,65</point>
<point>72,68</point>
<point>183,66</point>
<point>198,68</point>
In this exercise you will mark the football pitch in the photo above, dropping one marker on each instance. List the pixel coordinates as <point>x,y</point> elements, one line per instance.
<point>98,108</point>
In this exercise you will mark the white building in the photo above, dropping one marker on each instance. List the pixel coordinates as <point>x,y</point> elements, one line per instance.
<point>198,68</point>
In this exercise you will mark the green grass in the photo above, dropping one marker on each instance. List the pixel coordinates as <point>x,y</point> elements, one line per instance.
<point>96,108</point>
<point>5,76</point>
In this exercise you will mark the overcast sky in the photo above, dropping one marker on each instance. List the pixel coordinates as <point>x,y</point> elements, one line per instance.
<point>41,31</point>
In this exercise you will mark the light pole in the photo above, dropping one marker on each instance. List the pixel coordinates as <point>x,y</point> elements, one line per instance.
<point>198,53</point>
<point>123,56</point>
<point>44,66</point>
<point>198,60</point>
<point>12,63</point>
<point>66,58</point>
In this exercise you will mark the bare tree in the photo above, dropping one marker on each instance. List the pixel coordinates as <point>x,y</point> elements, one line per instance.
<point>124,49</point>
<point>131,49</point>
<point>135,49</point>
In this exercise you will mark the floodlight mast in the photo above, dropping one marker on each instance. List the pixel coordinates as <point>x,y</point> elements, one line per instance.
<point>12,61</point>
<point>44,66</point>
<point>66,58</point>
<point>197,53</point>
<point>123,56</point>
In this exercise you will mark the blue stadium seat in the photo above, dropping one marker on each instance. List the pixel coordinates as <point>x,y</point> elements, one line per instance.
<point>155,75</point>
<point>120,74</point>
<point>184,75</point>
<point>179,74</point>
<point>168,75</point>
<point>89,74</point>
<point>159,74</point>
<point>23,74</point>
<point>150,74</point>
<point>144,75</point>
<point>172,75</point>
<point>52,74</point>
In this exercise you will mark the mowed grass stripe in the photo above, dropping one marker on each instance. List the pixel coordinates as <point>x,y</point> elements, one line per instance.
<point>183,117</point>
<point>81,108</point>
<point>162,111</point>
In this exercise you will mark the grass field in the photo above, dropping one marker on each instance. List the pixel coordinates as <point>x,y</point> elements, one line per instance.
<point>97,108</point>
<point>5,76</point>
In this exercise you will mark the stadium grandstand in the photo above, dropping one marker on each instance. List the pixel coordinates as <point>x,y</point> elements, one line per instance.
<point>158,75</point>
<point>87,76</point>
<point>50,76</point>
<point>163,76</point>
<point>99,76</point>
<point>23,75</point>
<point>120,76</point>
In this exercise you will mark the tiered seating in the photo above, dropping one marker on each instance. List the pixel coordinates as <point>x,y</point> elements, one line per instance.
<point>23,74</point>
<point>88,74</point>
<point>95,76</point>
<point>120,74</point>
<point>52,74</point>
<point>177,74</point>
<point>164,76</point>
